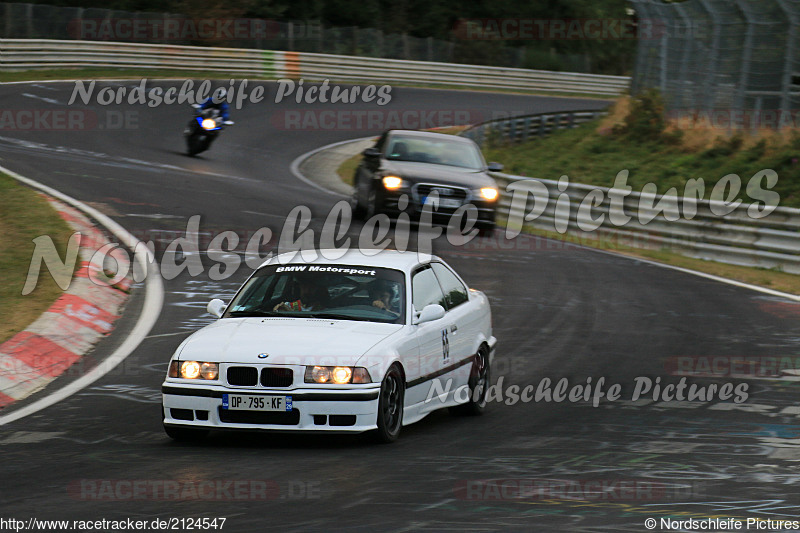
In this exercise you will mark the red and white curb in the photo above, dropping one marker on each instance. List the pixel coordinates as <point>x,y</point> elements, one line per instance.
<point>84,314</point>
<point>59,340</point>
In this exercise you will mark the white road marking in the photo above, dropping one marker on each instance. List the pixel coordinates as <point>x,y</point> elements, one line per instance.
<point>733,282</point>
<point>295,166</point>
<point>42,98</point>
<point>151,308</point>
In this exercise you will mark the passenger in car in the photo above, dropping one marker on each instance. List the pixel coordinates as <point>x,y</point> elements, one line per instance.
<point>308,297</point>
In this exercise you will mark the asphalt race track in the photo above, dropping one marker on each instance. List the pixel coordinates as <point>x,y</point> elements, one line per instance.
<point>559,311</point>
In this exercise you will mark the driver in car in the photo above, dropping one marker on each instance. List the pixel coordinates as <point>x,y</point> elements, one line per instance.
<point>312,297</point>
<point>381,296</point>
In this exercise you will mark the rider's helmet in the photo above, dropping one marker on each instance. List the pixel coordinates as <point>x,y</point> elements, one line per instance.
<point>220,94</point>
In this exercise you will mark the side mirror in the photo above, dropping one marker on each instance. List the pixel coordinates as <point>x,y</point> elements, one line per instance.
<point>430,313</point>
<point>495,167</point>
<point>196,106</point>
<point>372,152</point>
<point>216,307</point>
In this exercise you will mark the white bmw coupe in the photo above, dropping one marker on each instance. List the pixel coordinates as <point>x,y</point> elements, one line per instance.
<point>353,344</point>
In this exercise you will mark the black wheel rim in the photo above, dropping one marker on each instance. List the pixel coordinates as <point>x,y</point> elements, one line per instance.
<point>391,396</point>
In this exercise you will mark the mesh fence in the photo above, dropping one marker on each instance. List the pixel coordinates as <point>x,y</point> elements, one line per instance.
<point>734,62</point>
<point>39,21</point>
<point>36,21</point>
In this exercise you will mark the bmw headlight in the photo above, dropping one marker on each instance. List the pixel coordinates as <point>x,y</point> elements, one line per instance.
<point>339,375</point>
<point>193,370</point>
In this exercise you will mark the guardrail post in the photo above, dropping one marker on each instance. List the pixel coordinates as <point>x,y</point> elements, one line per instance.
<point>526,130</point>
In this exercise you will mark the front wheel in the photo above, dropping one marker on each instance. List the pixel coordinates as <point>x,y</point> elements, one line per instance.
<point>390,406</point>
<point>372,208</point>
<point>486,230</point>
<point>355,204</point>
<point>478,385</point>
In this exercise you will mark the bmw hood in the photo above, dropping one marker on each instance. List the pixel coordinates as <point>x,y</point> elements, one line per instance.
<point>285,340</point>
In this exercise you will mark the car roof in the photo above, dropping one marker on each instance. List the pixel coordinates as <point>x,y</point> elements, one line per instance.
<point>396,259</point>
<point>430,134</point>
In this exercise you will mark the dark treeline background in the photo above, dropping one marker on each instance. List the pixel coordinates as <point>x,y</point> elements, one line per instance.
<point>425,18</point>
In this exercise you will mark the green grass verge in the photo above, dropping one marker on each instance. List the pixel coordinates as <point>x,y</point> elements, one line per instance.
<point>587,156</point>
<point>347,169</point>
<point>25,215</point>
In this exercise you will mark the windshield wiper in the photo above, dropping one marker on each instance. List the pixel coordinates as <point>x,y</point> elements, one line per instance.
<point>338,316</point>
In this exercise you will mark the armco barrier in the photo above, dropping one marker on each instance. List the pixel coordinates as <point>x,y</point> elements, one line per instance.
<point>682,225</point>
<point>526,127</point>
<point>22,54</point>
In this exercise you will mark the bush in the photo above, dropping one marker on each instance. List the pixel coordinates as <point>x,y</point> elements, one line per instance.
<point>645,120</point>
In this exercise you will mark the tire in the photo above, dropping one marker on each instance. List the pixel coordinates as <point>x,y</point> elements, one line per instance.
<point>185,434</point>
<point>193,145</point>
<point>372,204</point>
<point>390,406</point>
<point>486,230</point>
<point>479,378</point>
<point>358,210</point>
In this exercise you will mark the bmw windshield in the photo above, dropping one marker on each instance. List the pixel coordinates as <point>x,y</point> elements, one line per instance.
<point>340,292</point>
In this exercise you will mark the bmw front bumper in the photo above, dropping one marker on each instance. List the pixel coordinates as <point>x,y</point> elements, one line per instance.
<point>200,406</point>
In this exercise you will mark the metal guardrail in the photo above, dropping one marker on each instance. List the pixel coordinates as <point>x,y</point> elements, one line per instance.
<point>683,225</point>
<point>525,127</point>
<point>21,54</point>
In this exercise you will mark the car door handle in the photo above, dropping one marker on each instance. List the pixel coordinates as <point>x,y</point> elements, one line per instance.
<point>453,328</point>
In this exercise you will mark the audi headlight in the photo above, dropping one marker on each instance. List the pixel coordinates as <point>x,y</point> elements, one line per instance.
<point>339,375</point>
<point>489,193</point>
<point>193,370</point>
<point>392,182</point>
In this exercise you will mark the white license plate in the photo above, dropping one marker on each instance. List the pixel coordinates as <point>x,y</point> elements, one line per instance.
<point>447,203</point>
<point>247,402</point>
